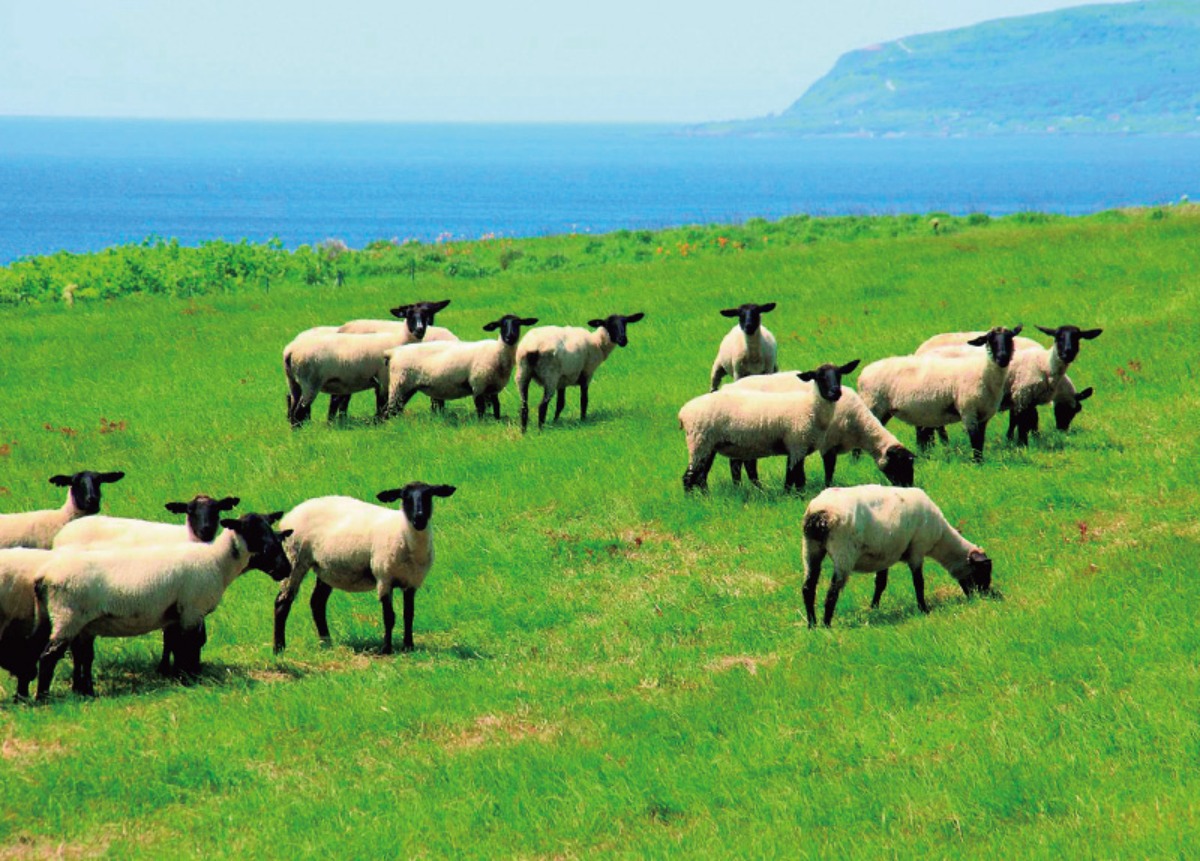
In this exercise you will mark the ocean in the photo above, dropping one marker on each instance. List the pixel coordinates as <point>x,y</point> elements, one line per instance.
<point>84,185</point>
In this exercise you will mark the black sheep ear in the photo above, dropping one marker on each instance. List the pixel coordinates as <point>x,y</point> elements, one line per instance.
<point>443,490</point>
<point>285,534</point>
<point>1051,332</point>
<point>390,495</point>
<point>730,312</point>
<point>177,507</point>
<point>807,376</point>
<point>110,477</point>
<point>233,525</point>
<point>60,480</point>
<point>492,326</point>
<point>977,556</point>
<point>401,312</point>
<point>978,342</point>
<point>274,516</point>
<point>438,306</point>
<point>228,503</point>
<point>849,367</point>
<point>633,318</point>
<point>1017,329</point>
<point>529,321</point>
<point>1085,394</point>
<point>1090,333</point>
<point>595,324</point>
<point>763,309</point>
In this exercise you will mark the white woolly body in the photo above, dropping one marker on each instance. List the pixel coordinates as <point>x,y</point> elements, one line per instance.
<point>852,427</point>
<point>121,531</point>
<point>127,591</point>
<point>36,529</point>
<point>746,425</point>
<point>567,355</point>
<point>18,570</point>
<point>395,327</point>
<point>872,527</point>
<point>355,546</point>
<point>446,371</point>
<point>1034,374</point>
<point>338,364</point>
<point>934,390</point>
<point>742,355</point>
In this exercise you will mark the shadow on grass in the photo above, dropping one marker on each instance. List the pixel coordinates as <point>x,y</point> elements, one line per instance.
<point>372,646</point>
<point>904,611</point>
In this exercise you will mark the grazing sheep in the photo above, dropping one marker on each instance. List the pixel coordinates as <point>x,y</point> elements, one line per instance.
<point>358,547</point>
<point>21,637</point>
<point>1066,404</point>
<point>562,356</point>
<point>127,591</point>
<point>871,528</point>
<point>337,364</point>
<point>852,428</point>
<point>445,372</point>
<point>932,390</point>
<point>37,529</point>
<point>749,348</point>
<point>99,532</point>
<point>745,424</point>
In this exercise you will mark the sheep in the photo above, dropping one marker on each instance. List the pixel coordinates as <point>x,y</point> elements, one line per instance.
<point>127,591</point>
<point>748,349</point>
<point>871,528</point>
<point>852,428</point>
<point>356,546</point>
<point>36,529</point>
<point>480,369</point>
<point>99,532</point>
<point>1066,405</point>
<point>746,425</point>
<point>562,356</point>
<point>338,364</point>
<point>21,637</point>
<point>930,391</point>
<point>1035,374</point>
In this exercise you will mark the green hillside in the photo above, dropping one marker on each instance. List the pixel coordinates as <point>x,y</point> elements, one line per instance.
<point>1105,69</point>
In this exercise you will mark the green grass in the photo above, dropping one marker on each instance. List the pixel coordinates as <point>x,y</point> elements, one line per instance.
<point>603,666</point>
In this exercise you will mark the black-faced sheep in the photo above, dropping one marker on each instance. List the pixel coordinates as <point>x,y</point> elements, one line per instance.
<point>749,347</point>
<point>37,529</point>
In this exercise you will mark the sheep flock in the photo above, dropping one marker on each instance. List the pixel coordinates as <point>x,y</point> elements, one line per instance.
<point>70,575</point>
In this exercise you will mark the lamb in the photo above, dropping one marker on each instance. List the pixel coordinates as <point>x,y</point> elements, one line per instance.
<point>356,546</point>
<point>99,532</point>
<point>749,348</point>
<point>1035,375</point>
<point>931,391</point>
<point>127,591</point>
<point>871,528</point>
<point>562,356</point>
<point>480,369</point>
<point>338,364</point>
<point>852,428</point>
<point>746,425</point>
<point>21,637</point>
<point>36,529</point>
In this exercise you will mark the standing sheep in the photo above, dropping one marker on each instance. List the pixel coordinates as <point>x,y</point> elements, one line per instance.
<point>930,391</point>
<point>748,349</point>
<point>748,425</point>
<point>871,528</point>
<point>128,591</point>
<point>358,547</point>
<point>38,528</point>
<point>339,365</point>
<point>562,356</point>
<point>444,372</point>
<point>852,428</point>
<point>21,637</point>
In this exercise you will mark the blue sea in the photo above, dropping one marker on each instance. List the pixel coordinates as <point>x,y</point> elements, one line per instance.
<point>83,185</point>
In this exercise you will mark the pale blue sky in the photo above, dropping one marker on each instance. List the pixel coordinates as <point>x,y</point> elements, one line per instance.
<point>453,60</point>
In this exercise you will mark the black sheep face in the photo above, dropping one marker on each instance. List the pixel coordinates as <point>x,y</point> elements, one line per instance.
<point>749,315</point>
<point>85,488</point>
<point>1000,343</point>
<point>510,327</point>
<point>615,326</point>
<point>979,573</point>
<point>416,500</point>
<point>419,315</point>
<point>1067,338</point>
<point>898,466</point>
<point>1065,413</point>
<point>204,514</point>
<point>266,545</point>
<point>828,378</point>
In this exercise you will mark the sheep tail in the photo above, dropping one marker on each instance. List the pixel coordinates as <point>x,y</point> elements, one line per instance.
<point>817,525</point>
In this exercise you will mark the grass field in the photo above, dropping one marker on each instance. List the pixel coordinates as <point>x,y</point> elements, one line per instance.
<point>605,667</point>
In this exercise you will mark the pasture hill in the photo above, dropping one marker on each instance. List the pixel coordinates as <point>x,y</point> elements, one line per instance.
<point>1127,68</point>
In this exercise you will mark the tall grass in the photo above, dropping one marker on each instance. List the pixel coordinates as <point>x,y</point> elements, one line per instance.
<point>603,666</point>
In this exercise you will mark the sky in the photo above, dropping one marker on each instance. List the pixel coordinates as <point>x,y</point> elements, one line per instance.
<point>449,61</point>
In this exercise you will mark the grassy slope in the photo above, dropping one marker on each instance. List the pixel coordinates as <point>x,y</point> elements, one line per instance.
<point>604,666</point>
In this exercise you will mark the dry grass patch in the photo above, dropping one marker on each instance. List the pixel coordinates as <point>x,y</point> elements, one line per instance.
<point>13,748</point>
<point>25,848</point>
<point>749,663</point>
<point>501,729</point>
